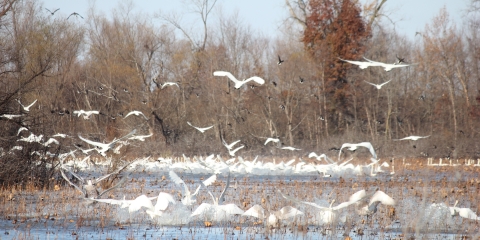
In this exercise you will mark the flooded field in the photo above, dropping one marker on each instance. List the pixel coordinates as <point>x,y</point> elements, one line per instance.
<point>424,192</point>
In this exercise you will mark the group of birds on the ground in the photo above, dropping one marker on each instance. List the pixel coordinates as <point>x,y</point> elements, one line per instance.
<point>365,204</point>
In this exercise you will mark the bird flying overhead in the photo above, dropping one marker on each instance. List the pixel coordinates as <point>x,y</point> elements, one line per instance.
<point>169,84</point>
<point>202,130</point>
<point>275,140</point>
<point>413,138</point>
<point>387,66</point>
<point>280,61</point>
<point>102,148</point>
<point>238,83</point>
<point>86,114</point>
<point>361,65</point>
<point>136,113</point>
<point>74,14</point>
<point>378,86</point>
<point>53,11</point>
<point>189,198</point>
<point>354,146</point>
<point>27,108</point>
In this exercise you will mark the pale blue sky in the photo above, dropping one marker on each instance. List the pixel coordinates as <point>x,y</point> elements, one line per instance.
<point>267,15</point>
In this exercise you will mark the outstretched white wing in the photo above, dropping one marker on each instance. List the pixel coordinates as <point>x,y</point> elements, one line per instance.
<point>382,197</point>
<point>163,200</point>
<point>256,79</point>
<point>256,211</point>
<point>225,74</point>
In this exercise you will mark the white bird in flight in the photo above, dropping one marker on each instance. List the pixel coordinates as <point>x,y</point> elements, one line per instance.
<point>86,114</point>
<point>328,214</point>
<point>463,212</point>
<point>232,152</point>
<point>290,148</point>
<point>275,140</point>
<point>413,138</point>
<point>88,188</point>
<point>238,83</point>
<point>189,198</point>
<point>367,204</point>
<point>21,129</point>
<point>50,141</point>
<point>163,201</point>
<point>286,212</point>
<point>202,130</point>
<point>62,135</point>
<point>32,138</point>
<point>217,211</point>
<point>11,116</point>
<point>102,148</point>
<point>169,84</point>
<point>361,65</point>
<point>136,113</point>
<point>354,146</point>
<point>378,86</point>
<point>386,66</point>
<point>27,108</point>
<point>229,146</point>
<point>325,157</point>
<point>123,203</point>
<point>140,137</point>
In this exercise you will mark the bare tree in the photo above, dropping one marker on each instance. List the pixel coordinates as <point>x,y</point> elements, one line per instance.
<point>200,7</point>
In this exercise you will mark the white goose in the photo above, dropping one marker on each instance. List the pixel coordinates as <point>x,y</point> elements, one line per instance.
<point>229,146</point>
<point>11,116</point>
<point>354,146</point>
<point>275,140</point>
<point>86,114</point>
<point>378,86</point>
<point>202,130</point>
<point>123,203</point>
<point>361,65</point>
<point>217,211</point>
<point>387,66</point>
<point>319,158</point>
<point>163,201</point>
<point>328,214</point>
<point>136,113</point>
<point>27,108</point>
<point>169,84</point>
<point>232,152</point>
<point>290,148</point>
<point>140,137</point>
<point>102,148</point>
<point>284,213</point>
<point>88,188</point>
<point>238,83</point>
<point>188,198</point>
<point>413,138</point>
<point>463,212</point>
<point>367,204</point>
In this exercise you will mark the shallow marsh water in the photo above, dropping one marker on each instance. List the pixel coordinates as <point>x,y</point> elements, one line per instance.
<point>61,213</point>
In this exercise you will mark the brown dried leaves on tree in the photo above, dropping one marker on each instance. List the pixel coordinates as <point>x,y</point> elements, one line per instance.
<point>335,29</point>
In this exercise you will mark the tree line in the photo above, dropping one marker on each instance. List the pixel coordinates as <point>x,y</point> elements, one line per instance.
<point>312,100</point>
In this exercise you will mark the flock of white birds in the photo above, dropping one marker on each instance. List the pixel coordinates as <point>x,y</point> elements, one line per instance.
<point>218,210</point>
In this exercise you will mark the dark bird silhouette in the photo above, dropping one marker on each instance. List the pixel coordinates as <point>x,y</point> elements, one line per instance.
<point>74,14</point>
<point>399,59</point>
<point>301,80</point>
<point>274,84</point>
<point>53,11</point>
<point>280,61</point>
